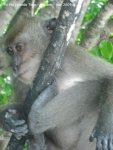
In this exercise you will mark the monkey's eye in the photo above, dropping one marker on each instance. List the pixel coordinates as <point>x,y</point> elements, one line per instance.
<point>19,47</point>
<point>9,50</point>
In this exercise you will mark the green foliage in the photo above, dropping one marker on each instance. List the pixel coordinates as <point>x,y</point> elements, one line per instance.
<point>2,2</point>
<point>25,147</point>
<point>104,50</point>
<point>1,131</point>
<point>95,51</point>
<point>93,9</point>
<point>105,47</point>
<point>112,16</point>
<point>41,6</point>
<point>6,89</point>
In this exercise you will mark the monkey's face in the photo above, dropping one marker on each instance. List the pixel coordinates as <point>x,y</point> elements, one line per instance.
<point>26,51</point>
<point>24,61</point>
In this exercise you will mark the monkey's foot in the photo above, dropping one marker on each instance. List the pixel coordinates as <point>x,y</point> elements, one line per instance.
<point>103,141</point>
<point>14,125</point>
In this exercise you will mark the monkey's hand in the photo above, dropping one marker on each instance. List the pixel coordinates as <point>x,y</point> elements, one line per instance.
<point>103,141</point>
<point>11,122</point>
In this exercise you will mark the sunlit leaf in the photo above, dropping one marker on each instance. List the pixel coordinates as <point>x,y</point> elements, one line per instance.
<point>95,51</point>
<point>106,49</point>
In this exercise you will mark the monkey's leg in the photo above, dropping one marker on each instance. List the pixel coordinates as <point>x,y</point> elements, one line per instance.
<point>103,131</point>
<point>37,142</point>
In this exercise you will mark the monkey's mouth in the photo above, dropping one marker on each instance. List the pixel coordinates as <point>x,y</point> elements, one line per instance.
<point>22,73</point>
<point>24,76</point>
<point>15,74</point>
<point>17,71</point>
<point>19,74</point>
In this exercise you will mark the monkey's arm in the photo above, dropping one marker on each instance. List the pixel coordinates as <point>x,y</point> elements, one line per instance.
<point>103,131</point>
<point>65,108</point>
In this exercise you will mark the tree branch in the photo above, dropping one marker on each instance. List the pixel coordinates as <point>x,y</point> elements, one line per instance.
<point>92,35</point>
<point>53,9</point>
<point>14,9</point>
<point>7,12</point>
<point>108,29</point>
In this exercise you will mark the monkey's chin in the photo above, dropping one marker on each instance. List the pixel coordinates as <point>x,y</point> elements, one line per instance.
<point>25,78</point>
<point>25,81</point>
<point>15,75</point>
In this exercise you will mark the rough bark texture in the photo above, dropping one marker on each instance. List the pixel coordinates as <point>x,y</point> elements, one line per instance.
<point>96,27</point>
<point>8,11</point>
<point>53,9</point>
<point>13,9</point>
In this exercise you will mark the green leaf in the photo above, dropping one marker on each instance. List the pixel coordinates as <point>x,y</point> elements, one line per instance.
<point>111,34</point>
<point>41,6</point>
<point>95,51</point>
<point>106,49</point>
<point>25,147</point>
<point>6,89</point>
<point>1,131</point>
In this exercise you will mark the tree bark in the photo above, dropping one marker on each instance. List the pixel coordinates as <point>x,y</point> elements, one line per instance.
<point>11,9</point>
<point>95,28</point>
<point>7,12</point>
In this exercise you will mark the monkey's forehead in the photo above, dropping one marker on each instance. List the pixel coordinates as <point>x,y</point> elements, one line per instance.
<point>29,30</point>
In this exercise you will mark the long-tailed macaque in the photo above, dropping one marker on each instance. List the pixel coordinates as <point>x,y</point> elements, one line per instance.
<point>85,92</point>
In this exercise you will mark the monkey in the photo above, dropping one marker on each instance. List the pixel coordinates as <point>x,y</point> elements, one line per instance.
<point>84,100</point>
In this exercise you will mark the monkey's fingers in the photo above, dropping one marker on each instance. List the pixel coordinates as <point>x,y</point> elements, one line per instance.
<point>110,142</point>
<point>11,124</point>
<point>105,144</point>
<point>92,136</point>
<point>12,111</point>
<point>20,131</point>
<point>17,122</point>
<point>99,144</point>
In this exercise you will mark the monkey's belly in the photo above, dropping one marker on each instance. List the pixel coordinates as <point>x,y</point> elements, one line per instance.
<point>69,118</point>
<point>75,136</point>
